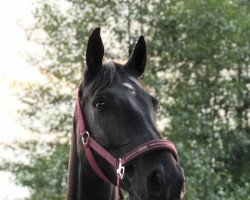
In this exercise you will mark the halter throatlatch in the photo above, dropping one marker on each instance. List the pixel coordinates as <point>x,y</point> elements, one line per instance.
<point>117,163</point>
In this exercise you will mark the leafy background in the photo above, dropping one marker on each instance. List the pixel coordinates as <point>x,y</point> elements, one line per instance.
<point>198,67</point>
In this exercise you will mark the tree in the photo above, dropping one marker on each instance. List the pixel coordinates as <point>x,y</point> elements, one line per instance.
<point>203,80</point>
<point>198,67</point>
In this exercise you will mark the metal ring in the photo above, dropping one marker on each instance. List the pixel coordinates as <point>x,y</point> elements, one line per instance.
<point>86,134</point>
<point>120,170</point>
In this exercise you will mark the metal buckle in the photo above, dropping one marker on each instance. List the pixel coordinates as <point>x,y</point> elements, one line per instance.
<point>85,137</point>
<point>120,170</point>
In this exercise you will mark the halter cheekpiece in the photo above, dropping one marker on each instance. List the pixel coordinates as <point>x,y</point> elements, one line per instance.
<point>117,163</point>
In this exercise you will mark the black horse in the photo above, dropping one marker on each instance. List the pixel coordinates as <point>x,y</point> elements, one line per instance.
<point>120,115</point>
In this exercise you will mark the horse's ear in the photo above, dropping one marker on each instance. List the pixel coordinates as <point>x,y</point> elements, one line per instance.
<point>95,51</point>
<point>138,58</point>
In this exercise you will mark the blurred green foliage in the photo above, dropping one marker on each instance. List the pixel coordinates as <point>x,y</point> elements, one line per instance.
<point>198,67</point>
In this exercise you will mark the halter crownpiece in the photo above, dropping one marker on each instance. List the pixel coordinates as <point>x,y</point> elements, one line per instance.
<point>117,163</point>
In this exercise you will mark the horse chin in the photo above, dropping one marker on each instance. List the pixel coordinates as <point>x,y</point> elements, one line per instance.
<point>135,196</point>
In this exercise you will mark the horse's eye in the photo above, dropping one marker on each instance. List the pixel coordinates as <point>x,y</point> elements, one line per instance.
<point>100,105</point>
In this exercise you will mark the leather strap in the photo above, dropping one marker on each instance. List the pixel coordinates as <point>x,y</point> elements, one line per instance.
<point>150,146</point>
<point>94,165</point>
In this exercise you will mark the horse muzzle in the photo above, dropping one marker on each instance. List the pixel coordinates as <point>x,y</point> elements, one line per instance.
<point>162,180</point>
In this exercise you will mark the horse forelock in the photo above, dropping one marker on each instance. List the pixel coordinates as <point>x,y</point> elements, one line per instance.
<point>109,74</point>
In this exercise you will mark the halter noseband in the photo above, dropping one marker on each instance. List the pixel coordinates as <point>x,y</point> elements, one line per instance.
<point>117,163</point>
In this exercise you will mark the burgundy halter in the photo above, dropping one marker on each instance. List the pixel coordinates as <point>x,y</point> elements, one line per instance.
<point>117,163</point>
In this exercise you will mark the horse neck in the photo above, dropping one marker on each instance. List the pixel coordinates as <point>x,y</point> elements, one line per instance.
<point>94,188</point>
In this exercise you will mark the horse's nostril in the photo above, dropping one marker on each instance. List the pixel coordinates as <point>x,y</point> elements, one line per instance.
<point>155,184</point>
